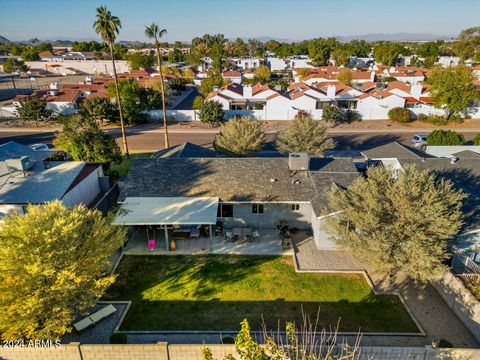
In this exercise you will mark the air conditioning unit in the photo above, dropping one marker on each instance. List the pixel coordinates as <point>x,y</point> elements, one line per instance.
<point>298,161</point>
<point>22,164</point>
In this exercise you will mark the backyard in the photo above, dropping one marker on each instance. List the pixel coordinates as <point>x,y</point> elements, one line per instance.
<point>216,292</point>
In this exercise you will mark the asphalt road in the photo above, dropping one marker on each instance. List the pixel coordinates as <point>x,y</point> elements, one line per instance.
<point>144,140</point>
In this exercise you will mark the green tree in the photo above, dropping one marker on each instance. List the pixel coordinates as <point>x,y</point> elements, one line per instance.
<point>246,347</point>
<point>345,76</point>
<point>140,61</point>
<point>467,45</point>
<point>135,100</point>
<point>98,109</point>
<point>12,65</point>
<point>176,56</point>
<point>30,54</point>
<point>154,32</point>
<point>452,88</point>
<point>85,141</point>
<point>387,53</point>
<point>108,27</point>
<point>240,136</point>
<point>211,112</point>
<point>305,135</point>
<point>63,273</point>
<point>34,109</point>
<point>197,102</point>
<point>445,137</point>
<point>341,57</point>
<point>262,73</point>
<point>332,115</point>
<point>399,224</point>
<point>207,85</point>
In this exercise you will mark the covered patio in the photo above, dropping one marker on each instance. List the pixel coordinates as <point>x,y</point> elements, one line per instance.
<point>163,222</point>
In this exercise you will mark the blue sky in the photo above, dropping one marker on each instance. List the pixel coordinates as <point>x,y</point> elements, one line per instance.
<point>184,19</point>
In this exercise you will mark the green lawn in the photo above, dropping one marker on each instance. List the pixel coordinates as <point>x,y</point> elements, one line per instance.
<point>216,292</point>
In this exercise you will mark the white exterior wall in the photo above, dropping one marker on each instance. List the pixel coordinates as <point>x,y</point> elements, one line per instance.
<point>304,103</point>
<point>87,66</point>
<point>6,209</point>
<point>276,64</point>
<point>279,108</point>
<point>86,191</point>
<point>323,239</point>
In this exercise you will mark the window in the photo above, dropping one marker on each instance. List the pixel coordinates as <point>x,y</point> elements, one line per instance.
<point>225,211</point>
<point>257,209</point>
<point>295,207</point>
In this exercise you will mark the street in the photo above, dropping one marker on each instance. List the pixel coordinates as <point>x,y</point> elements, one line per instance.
<point>148,139</point>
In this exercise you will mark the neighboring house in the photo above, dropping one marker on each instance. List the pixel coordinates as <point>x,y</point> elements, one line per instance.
<point>406,74</point>
<point>242,97</point>
<point>258,193</point>
<point>246,63</point>
<point>231,75</point>
<point>63,54</point>
<point>26,178</point>
<point>463,169</point>
<point>448,61</point>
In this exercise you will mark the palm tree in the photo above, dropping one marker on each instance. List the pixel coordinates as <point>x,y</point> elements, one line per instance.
<point>154,32</point>
<point>107,26</point>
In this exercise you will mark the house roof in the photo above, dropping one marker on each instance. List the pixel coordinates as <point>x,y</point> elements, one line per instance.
<point>12,150</point>
<point>187,150</point>
<point>237,179</point>
<point>390,151</point>
<point>231,73</point>
<point>42,185</point>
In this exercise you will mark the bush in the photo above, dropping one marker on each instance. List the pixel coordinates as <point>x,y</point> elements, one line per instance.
<point>240,136</point>
<point>444,343</point>
<point>332,115</point>
<point>118,338</point>
<point>476,139</point>
<point>445,137</point>
<point>211,113</point>
<point>400,115</point>
<point>353,115</point>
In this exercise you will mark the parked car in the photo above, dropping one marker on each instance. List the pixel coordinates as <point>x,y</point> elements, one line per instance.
<point>39,147</point>
<point>419,140</point>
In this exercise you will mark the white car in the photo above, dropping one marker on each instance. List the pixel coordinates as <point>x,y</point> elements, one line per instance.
<point>419,140</point>
<point>39,147</point>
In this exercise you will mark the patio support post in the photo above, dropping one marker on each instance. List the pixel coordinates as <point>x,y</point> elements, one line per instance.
<point>166,238</point>
<point>211,232</point>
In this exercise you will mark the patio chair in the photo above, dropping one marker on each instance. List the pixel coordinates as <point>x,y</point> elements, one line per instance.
<point>151,244</point>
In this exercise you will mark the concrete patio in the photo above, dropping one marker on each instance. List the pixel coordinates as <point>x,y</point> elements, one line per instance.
<point>269,243</point>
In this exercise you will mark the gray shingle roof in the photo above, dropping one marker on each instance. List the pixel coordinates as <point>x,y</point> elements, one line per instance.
<point>186,149</point>
<point>393,150</point>
<point>12,150</point>
<point>236,179</point>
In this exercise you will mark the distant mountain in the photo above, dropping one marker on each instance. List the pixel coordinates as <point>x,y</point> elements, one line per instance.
<point>4,41</point>
<point>395,37</point>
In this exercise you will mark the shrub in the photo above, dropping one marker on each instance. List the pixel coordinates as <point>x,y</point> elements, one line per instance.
<point>240,136</point>
<point>445,137</point>
<point>332,115</point>
<point>400,115</point>
<point>211,112</point>
<point>34,109</point>
<point>118,338</point>
<point>305,135</point>
<point>444,343</point>
<point>353,115</point>
<point>476,139</point>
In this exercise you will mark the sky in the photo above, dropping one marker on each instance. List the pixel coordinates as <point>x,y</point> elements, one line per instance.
<point>185,19</point>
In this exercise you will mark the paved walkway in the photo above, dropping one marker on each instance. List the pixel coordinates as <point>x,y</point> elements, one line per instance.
<point>426,305</point>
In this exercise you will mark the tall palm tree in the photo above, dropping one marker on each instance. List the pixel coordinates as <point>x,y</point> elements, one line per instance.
<point>154,32</point>
<point>107,26</point>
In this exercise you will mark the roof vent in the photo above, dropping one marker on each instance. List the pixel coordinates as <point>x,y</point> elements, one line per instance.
<point>298,161</point>
<point>296,181</point>
<point>453,160</point>
<point>273,180</point>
